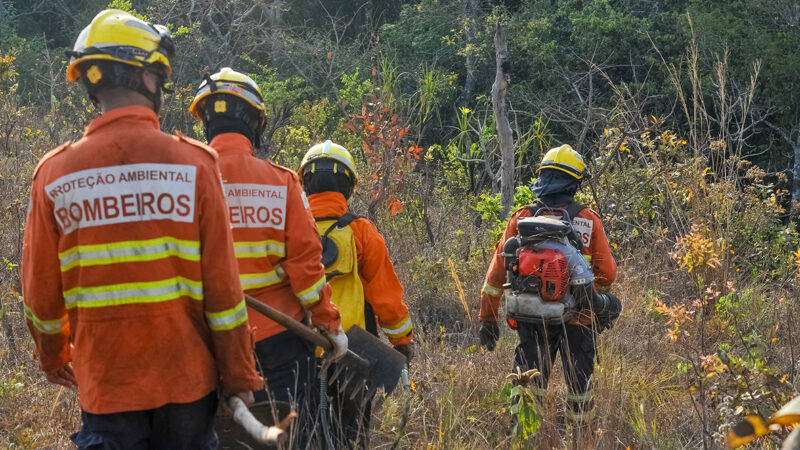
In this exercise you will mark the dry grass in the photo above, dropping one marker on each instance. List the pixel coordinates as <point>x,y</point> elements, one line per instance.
<point>34,414</point>
<point>456,403</point>
<point>642,399</point>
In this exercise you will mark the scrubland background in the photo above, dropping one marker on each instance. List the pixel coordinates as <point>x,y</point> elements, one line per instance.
<point>687,112</point>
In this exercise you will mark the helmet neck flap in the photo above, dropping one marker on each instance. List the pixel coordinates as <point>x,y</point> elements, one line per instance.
<point>108,74</point>
<point>326,175</point>
<point>225,113</point>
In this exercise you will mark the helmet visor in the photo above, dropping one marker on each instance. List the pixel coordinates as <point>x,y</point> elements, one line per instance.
<point>166,45</point>
<point>227,87</point>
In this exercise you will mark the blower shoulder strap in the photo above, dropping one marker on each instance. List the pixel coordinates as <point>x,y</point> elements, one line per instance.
<point>340,221</point>
<point>573,209</point>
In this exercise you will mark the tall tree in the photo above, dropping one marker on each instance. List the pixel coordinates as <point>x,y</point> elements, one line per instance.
<point>470,19</point>
<point>504,134</point>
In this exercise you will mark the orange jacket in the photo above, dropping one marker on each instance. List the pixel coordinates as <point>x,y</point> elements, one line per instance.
<point>595,249</point>
<point>128,256</point>
<point>274,237</point>
<point>382,288</point>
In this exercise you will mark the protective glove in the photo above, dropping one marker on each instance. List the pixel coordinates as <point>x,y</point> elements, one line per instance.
<point>408,350</point>
<point>339,343</point>
<point>489,333</point>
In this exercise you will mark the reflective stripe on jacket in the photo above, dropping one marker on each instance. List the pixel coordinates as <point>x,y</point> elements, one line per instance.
<point>128,256</point>
<point>275,239</point>
<point>595,249</point>
<point>382,288</point>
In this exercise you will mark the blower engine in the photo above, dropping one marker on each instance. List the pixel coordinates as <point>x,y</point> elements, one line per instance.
<point>542,271</point>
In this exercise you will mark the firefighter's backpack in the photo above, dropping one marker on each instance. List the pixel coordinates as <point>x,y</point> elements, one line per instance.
<point>340,258</point>
<point>538,269</point>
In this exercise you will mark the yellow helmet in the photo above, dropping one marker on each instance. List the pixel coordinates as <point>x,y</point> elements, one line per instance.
<point>118,36</point>
<point>565,159</point>
<point>231,82</point>
<point>329,150</point>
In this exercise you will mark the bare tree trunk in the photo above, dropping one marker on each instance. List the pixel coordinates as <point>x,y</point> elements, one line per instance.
<point>589,110</point>
<point>470,33</point>
<point>504,134</point>
<point>795,209</point>
<point>792,137</point>
<point>275,19</point>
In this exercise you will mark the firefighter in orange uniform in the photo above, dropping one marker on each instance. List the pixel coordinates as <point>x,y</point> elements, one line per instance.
<point>275,241</point>
<point>129,277</point>
<point>359,271</point>
<point>560,175</point>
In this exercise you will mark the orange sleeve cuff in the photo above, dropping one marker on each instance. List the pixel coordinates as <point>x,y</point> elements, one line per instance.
<point>324,313</point>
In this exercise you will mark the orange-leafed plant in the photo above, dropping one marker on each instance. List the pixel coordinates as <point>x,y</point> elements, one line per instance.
<point>696,250</point>
<point>389,153</point>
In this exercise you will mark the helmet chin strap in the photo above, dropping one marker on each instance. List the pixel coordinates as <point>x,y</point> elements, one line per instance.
<point>158,96</point>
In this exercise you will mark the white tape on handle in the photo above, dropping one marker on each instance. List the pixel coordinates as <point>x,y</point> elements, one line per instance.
<point>259,432</point>
<point>404,377</point>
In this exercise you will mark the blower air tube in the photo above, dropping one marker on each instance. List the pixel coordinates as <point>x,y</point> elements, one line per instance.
<point>510,251</point>
<point>607,309</point>
<point>510,248</point>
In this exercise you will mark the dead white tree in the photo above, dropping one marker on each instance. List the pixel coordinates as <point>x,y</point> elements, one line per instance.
<point>792,138</point>
<point>469,13</point>
<point>504,134</point>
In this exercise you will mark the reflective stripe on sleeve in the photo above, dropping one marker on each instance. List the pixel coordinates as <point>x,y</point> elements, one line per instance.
<point>228,319</point>
<point>311,295</point>
<point>259,249</point>
<point>128,251</point>
<point>46,326</point>
<point>129,293</point>
<point>257,280</point>
<point>588,259</point>
<point>491,290</point>
<point>399,330</point>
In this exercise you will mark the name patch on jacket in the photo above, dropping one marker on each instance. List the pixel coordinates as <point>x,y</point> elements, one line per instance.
<point>584,229</point>
<point>256,205</point>
<point>119,194</point>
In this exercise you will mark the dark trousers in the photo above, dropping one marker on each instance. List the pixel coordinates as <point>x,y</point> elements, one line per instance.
<point>288,366</point>
<point>172,426</point>
<point>537,349</point>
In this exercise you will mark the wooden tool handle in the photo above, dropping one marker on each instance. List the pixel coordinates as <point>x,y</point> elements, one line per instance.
<point>259,431</point>
<point>292,324</point>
